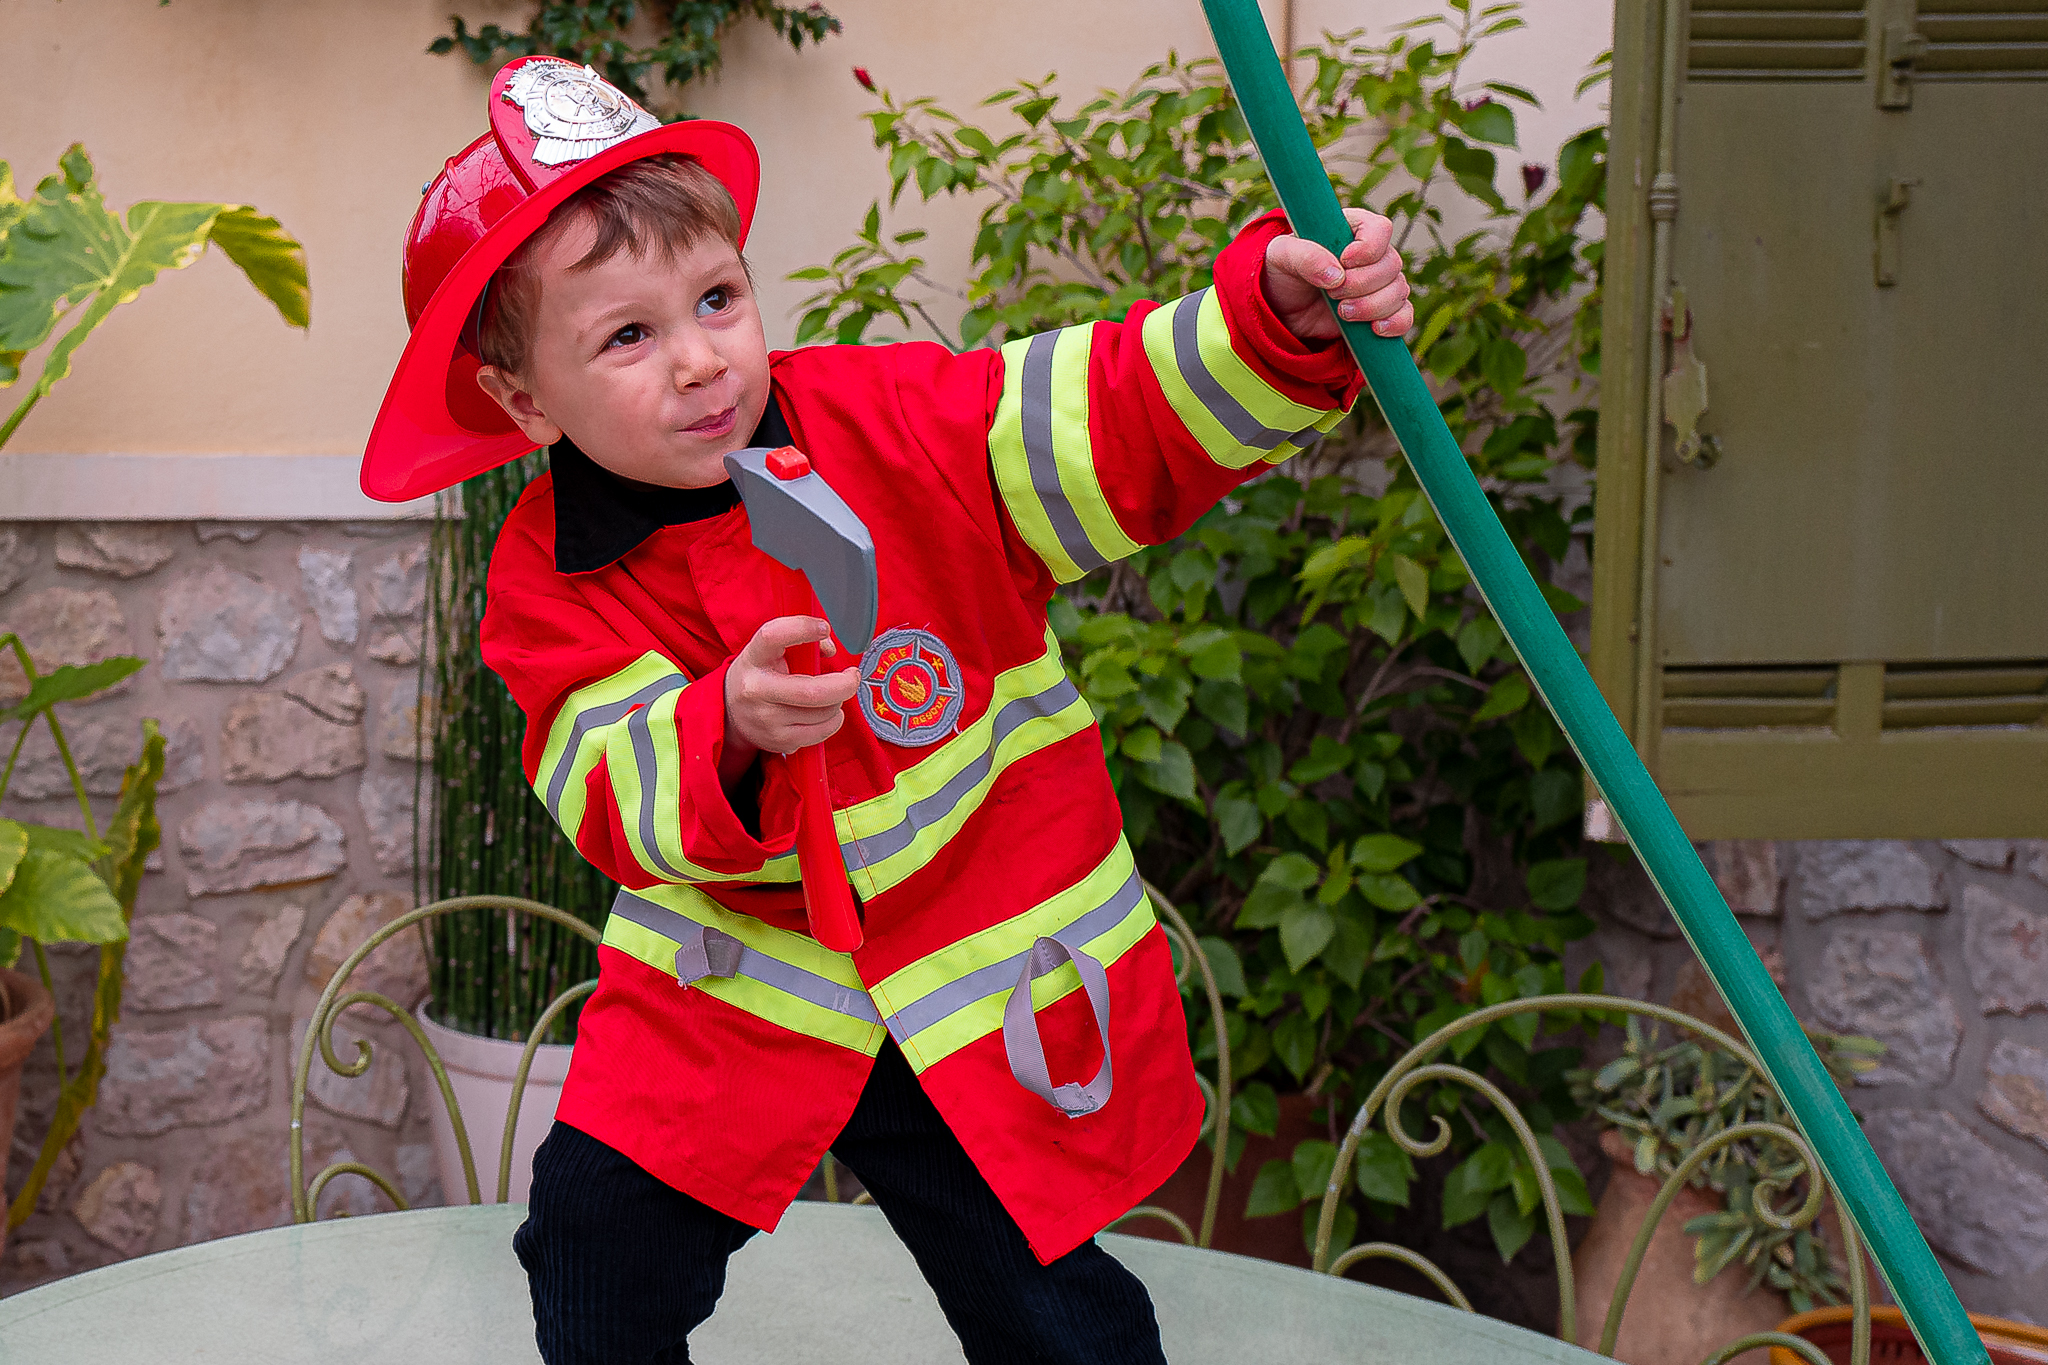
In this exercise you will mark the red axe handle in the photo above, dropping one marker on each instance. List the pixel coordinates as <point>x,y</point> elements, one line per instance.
<point>828,900</point>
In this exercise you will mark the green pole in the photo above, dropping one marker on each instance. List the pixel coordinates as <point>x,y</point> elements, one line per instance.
<point>1923,1293</point>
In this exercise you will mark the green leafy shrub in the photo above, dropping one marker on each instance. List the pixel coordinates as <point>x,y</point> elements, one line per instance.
<point>1325,753</point>
<point>74,885</point>
<point>687,36</point>
<point>1669,1099</point>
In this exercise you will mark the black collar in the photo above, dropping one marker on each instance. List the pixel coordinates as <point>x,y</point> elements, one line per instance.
<point>601,518</point>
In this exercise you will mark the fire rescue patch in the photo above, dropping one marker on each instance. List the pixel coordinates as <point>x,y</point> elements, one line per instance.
<point>910,687</point>
<point>572,112</point>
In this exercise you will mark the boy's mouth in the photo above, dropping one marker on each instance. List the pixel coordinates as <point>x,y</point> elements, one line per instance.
<point>717,424</point>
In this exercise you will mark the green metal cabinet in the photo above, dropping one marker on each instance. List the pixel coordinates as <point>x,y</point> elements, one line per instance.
<point>1820,597</point>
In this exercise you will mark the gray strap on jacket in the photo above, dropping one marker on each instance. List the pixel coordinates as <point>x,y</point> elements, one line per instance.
<point>707,952</point>
<point>1027,1050</point>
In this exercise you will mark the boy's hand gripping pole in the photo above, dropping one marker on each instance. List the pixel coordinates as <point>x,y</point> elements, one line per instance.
<point>822,549</point>
<point>1916,1281</point>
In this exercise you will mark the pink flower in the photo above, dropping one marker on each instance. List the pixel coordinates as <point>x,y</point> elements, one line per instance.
<point>1533,176</point>
<point>867,82</point>
<point>1470,105</point>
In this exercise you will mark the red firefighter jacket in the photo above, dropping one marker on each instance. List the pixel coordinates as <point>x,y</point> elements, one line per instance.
<point>724,1048</point>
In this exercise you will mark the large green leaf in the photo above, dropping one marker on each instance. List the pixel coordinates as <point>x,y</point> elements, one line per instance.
<point>69,683</point>
<point>56,899</point>
<point>272,259</point>
<point>13,845</point>
<point>67,258</point>
<point>134,833</point>
<point>72,843</point>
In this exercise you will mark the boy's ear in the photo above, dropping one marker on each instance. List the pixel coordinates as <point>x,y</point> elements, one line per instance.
<point>518,404</point>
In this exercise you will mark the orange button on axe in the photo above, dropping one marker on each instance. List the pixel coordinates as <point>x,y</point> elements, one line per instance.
<point>823,549</point>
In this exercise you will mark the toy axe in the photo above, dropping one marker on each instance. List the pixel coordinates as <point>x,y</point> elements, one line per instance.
<point>821,548</point>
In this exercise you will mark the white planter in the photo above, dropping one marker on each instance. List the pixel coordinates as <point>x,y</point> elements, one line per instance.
<point>481,1070</point>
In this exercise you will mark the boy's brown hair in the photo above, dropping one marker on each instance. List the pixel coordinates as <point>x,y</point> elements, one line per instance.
<point>666,203</point>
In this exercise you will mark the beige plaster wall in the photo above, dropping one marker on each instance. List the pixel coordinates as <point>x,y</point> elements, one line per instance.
<point>331,115</point>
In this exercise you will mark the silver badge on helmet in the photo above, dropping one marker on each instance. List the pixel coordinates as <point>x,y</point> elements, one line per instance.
<point>572,112</point>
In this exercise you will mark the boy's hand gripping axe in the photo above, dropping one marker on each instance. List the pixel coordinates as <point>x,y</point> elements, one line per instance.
<point>822,548</point>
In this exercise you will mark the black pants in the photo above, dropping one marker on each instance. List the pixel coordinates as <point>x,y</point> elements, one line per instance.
<point>622,1267</point>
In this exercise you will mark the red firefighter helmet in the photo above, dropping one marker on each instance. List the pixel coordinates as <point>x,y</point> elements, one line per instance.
<point>555,127</point>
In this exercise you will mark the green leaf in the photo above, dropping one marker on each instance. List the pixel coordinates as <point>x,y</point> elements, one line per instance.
<point>1504,698</point>
<point>1557,883</point>
<point>1173,774</point>
<point>1572,1195</point>
<point>1389,892</point>
<point>1256,1109</point>
<point>133,834</point>
<point>1238,821</point>
<point>1383,852</point>
<point>1225,966</point>
<point>1461,1201</point>
<point>1305,930</point>
<point>1273,1191</point>
<point>1142,744</point>
<point>1384,1171</point>
<point>13,844</point>
<point>1478,638</point>
<point>1314,1161</point>
<point>1325,758</point>
<point>1343,1227</point>
<point>58,899</point>
<point>1511,1228</point>
<point>1294,1043</point>
<point>72,843</point>
<point>71,682</point>
<point>1490,122</point>
<point>1535,735</point>
<point>1414,583</point>
<point>271,257</point>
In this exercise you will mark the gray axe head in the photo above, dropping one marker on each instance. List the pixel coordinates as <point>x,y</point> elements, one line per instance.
<point>800,522</point>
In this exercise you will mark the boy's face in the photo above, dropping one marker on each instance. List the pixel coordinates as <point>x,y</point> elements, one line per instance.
<point>656,368</point>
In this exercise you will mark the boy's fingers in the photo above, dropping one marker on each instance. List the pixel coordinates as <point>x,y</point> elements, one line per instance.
<point>766,648</point>
<point>1378,306</point>
<point>1312,264</point>
<point>827,691</point>
<point>1369,278</point>
<point>1371,235</point>
<point>796,737</point>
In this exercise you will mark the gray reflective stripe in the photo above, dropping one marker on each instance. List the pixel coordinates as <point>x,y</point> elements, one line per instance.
<point>921,1013</point>
<point>1244,428</point>
<point>707,952</point>
<point>923,814</point>
<point>1026,1050</point>
<point>597,717</point>
<point>1038,453</point>
<point>643,755</point>
<point>753,964</point>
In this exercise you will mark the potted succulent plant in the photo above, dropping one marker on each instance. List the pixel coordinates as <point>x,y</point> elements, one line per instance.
<point>1659,1102</point>
<point>67,886</point>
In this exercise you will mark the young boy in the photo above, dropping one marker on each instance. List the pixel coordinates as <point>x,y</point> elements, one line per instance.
<point>581,266</point>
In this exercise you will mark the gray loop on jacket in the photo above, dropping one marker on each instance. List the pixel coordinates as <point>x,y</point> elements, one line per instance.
<point>706,951</point>
<point>1027,1050</point>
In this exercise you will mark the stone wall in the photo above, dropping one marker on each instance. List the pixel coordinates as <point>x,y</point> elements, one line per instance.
<point>282,668</point>
<point>1940,950</point>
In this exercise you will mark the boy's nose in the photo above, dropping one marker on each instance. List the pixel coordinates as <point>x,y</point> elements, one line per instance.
<point>696,361</point>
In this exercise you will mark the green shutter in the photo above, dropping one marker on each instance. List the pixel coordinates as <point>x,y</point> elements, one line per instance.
<point>1829,619</point>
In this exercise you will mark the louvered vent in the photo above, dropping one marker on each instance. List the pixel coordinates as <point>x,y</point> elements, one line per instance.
<point>1749,698</point>
<point>1978,40</point>
<point>2000,695</point>
<point>1781,40</point>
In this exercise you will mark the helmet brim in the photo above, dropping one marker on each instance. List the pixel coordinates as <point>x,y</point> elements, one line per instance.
<point>436,426</point>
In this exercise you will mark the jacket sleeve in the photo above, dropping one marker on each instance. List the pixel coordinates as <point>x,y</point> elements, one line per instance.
<point>1110,436</point>
<point>621,745</point>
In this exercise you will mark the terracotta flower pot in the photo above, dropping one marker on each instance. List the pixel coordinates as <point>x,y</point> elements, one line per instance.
<point>1891,1343</point>
<point>26,1010</point>
<point>1670,1320</point>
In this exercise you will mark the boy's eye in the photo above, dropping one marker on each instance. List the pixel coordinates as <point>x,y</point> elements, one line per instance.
<point>714,301</point>
<point>626,336</point>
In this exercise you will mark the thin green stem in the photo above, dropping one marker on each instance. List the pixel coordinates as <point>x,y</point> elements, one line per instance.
<point>7,774</point>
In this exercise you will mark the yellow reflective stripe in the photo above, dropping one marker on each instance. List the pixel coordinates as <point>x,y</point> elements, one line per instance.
<point>576,739</point>
<point>1043,459</point>
<point>1238,417</point>
<point>887,838</point>
<point>950,998</point>
<point>643,756</point>
<point>787,979</point>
